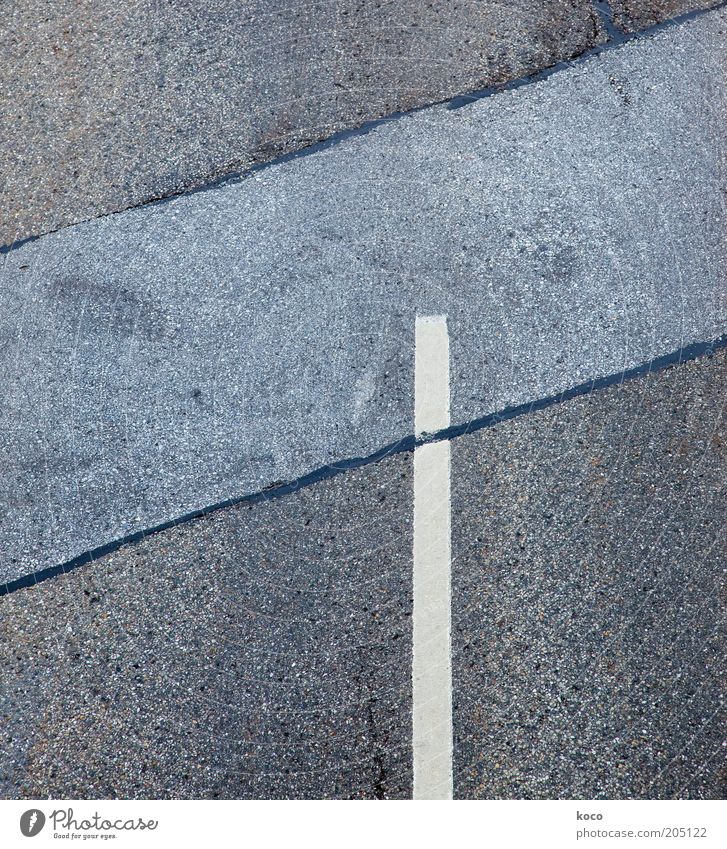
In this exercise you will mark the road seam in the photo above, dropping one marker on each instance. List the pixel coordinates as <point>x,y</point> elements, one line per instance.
<point>615,40</point>
<point>406,444</point>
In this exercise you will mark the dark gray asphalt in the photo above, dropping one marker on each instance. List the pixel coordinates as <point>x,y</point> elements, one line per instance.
<point>634,15</point>
<point>264,652</point>
<point>588,595</point>
<point>167,358</point>
<point>106,104</point>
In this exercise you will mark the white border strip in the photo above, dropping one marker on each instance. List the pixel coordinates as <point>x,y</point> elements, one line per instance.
<point>432,667</point>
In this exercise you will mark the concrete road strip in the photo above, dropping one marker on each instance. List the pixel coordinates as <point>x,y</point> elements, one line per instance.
<point>432,669</point>
<point>547,223</point>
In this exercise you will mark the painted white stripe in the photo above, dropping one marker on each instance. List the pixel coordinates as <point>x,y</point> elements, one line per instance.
<point>432,668</point>
<point>431,375</point>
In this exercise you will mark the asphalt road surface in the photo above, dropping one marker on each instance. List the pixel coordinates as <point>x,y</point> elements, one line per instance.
<point>208,526</point>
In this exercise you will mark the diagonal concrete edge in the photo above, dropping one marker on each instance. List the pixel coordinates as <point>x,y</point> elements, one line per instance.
<point>404,445</point>
<point>106,105</point>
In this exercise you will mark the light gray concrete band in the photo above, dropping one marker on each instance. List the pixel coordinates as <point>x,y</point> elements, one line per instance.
<point>166,358</point>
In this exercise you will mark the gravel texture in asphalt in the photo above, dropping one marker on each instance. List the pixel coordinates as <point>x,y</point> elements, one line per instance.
<point>634,15</point>
<point>263,652</point>
<point>106,104</point>
<point>588,595</point>
<point>170,357</point>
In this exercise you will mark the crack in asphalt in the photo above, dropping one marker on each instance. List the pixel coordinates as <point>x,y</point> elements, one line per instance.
<point>616,39</point>
<point>608,19</point>
<point>682,355</point>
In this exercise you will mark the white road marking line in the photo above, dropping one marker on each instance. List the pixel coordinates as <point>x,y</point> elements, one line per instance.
<point>431,375</point>
<point>432,666</point>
